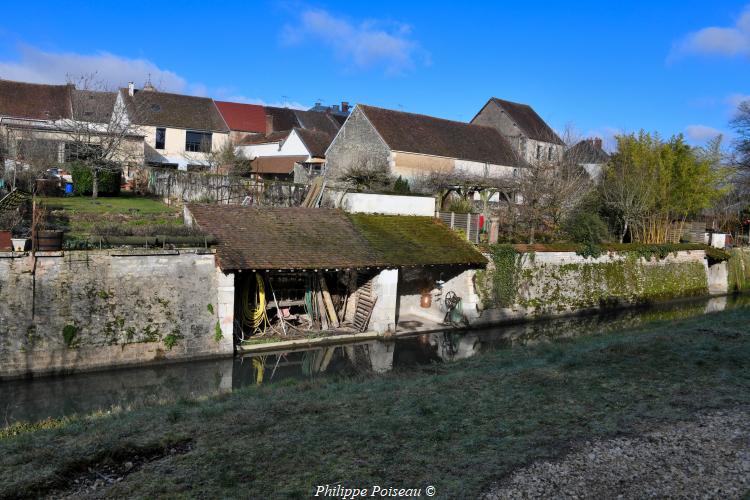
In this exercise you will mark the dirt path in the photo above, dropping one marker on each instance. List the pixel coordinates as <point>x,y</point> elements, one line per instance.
<point>708,457</point>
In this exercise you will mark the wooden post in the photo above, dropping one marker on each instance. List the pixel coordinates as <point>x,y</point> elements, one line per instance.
<point>328,302</point>
<point>321,311</point>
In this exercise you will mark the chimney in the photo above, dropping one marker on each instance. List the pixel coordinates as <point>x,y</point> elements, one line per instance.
<point>344,107</point>
<point>131,89</point>
<point>597,142</point>
<point>269,124</point>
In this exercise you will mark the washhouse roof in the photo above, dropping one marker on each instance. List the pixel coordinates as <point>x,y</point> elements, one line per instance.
<point>317,238</point>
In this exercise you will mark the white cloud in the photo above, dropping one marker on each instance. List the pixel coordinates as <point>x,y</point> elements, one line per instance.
<point>369,44</point>
<point>701,133</point>
<point>112,71</point>
<point>722,41</point>
<point>37,66</point>
<point>254,100</point>
<point>734,100</point>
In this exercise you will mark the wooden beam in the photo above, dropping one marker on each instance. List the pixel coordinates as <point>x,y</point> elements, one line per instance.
<point>328,302</point>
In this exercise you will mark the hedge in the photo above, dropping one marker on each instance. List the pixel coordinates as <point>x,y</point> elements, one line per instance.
<point>109,180</point>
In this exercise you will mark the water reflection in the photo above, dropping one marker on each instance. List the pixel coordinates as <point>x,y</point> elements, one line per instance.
<point>36,399</point>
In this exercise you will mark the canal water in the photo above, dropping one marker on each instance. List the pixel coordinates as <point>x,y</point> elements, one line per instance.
<point>36,399</point>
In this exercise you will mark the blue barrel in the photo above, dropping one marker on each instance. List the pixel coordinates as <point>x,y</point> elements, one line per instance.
<point>68,188</point>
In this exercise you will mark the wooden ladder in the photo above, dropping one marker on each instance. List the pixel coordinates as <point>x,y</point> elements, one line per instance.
<point>365,303</point>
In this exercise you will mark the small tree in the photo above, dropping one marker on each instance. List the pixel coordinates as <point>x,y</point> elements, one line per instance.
<point>650,183</point>
<point>100,136</point>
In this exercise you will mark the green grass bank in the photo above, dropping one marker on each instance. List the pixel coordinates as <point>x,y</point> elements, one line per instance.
<point>458,426</point>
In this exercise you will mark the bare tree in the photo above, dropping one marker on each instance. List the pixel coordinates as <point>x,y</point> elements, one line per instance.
<point>100,136</point>
<point>366,172</point>
<point>27,154</point>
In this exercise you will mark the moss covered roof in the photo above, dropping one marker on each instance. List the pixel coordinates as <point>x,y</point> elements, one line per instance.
<point>316,238</point>
<point>415,241</point>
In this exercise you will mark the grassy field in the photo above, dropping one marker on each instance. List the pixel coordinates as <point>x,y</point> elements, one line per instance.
<point>457,426</point>
<point>81,215</point>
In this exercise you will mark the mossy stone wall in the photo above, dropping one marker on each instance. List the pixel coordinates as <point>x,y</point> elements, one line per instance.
<point>546,283</point>
<point>82,310</point>
<point>739,270</point>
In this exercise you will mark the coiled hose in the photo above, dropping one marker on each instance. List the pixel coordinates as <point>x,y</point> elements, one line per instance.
<point>255,314</point>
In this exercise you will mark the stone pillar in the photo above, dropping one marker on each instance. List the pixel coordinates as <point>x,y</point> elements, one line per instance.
<point>385,288</point>
<point>225,311</point>
<point>718,278</point>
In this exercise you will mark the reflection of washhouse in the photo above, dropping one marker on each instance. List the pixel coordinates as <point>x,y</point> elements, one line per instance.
<point>346,360</point>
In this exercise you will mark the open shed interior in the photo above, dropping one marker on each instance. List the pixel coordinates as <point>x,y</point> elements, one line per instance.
<point>300,302</point>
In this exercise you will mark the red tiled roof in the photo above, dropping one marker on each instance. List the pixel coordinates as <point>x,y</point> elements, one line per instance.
<point>243,117</point>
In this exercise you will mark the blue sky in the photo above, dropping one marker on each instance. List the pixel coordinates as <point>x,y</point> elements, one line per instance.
<point>603,67</point>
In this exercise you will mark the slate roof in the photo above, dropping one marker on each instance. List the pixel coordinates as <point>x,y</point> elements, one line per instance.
<point>275,164</point>
<point>315,120</point>
<point>414,133</point>
<point>35,101</point>
<point>243,117</point>
<point>283,118</point>
<point>586,151</point>
<point>315,141</point>
<point>173,110</point>
<point>528,121</point>
<point>93,106</point>
<point>265,139</point>
<point>316,238</point>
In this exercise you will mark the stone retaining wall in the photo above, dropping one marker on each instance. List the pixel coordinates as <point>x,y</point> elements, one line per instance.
<point>553,283</point>
<point>83,310</point>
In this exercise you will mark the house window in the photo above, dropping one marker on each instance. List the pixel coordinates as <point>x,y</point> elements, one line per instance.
<point>161,137</point>
<point>538,152</point>
<point>199,142</point>
<point>549,154</point>
<point>82,152</point>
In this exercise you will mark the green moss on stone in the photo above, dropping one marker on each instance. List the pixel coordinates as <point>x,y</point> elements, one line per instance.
<point>70,332</point>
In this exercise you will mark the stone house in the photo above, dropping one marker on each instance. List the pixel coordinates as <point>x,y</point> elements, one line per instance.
<point>412,145</point>
<point>181,131</point>
<point>589,155</point>
<point>526,131</point>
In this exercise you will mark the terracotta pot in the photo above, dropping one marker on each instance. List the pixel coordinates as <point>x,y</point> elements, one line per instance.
<point>5,243</point>
<point>426,300</point>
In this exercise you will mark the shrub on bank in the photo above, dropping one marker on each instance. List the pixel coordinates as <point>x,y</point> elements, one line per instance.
<point>83,180</point>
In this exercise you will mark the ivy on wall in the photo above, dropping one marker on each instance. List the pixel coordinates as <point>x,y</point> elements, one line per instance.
<point>550,288</point>
<point>498,284</point>
<point>739,270</point>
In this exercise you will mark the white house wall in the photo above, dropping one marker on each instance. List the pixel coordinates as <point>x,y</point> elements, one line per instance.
<point>174,146</point>
<point>292,146</point>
